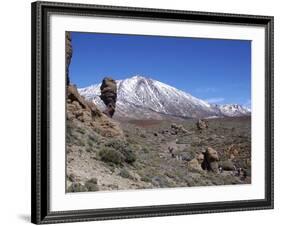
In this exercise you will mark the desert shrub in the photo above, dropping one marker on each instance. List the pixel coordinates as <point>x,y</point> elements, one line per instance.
<point>89,149</point>
<point>125,174</point>
<point>145,178</point>
<point>76,187</point>
<point>116,144</point>
<point>109,154</point>
<point>129,155</point>
<point>160,181</point>
<point>124,148</point>
<point>79,142</point>
<point>71,177</point>
<point>145,149</point>
<point>132,140</point>
<point>80,130</point>
<point>93,137</point>
<point>69,137</point>
<point>90,143</point>
<point>92,185</point>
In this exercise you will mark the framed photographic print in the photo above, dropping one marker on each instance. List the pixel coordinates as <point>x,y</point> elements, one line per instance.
<point>142,112</point>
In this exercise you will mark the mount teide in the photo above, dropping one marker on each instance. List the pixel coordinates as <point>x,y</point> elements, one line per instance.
<point>139,97</point>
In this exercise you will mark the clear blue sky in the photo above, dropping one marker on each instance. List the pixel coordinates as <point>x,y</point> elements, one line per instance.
<point>215,70</point>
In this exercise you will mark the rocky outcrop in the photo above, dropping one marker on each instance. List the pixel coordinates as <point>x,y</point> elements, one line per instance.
<point>202,124</point>
<point>68,55</point>
<point>81,111</point>
<point>109,95</point>
<point>74,97</point>
<point>232,151</point>
<point>178,129</point>
<point>211,159</point>
<point>195,164</point>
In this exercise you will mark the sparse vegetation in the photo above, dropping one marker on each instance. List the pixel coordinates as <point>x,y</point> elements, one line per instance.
<point>109,154</point>
<point>92,185</point>
<point>140,159</point>
<point>76,187</point>
<point>125,174</point>
<point>124,148</point>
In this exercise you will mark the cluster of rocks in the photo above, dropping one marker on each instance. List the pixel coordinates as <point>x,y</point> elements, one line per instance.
<point>209,160</point>
<point>205,160</point>
<point>80,109</point>
<point>232,151</point>
<point>175,130</point>
<point>178,129</point>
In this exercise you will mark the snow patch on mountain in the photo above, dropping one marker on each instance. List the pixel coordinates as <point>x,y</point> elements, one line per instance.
<point>234,110</point>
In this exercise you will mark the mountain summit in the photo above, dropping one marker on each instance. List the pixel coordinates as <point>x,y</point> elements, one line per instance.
<point>140,97</point>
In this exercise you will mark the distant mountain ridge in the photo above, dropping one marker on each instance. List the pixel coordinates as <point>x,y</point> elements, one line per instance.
<point>139,97</point>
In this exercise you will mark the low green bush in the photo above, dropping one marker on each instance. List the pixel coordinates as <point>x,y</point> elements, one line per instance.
<point>125,174</point>
<point>124,148</point>
<point>108,154</point>
<point>92,185</point>
<point>76,187</point>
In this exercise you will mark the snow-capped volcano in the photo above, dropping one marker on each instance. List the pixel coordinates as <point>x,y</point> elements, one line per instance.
<point>141,97</point>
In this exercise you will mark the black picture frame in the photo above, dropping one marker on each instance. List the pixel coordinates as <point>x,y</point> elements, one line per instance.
<point>40,211</point>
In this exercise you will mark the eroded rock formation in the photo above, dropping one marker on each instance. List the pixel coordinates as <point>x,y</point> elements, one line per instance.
<point>109,95</point>
<point>202,124</point>
<point>211,159</point>
<point>68,55</point>
<point>85,114</point>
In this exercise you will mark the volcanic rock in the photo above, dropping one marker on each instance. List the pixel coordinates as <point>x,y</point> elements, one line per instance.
<point>178,129</point>
<point>202,124</point>
<point>211,159</point>
<point>109,95</point>
<point>68,54</point>
<point>232,151</point>
<point>194,165</point>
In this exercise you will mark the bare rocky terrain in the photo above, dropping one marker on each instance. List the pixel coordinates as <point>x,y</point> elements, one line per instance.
<point>157,154</point>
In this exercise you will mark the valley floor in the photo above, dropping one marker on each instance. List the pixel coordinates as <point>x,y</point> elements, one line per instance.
<point>158,154</point>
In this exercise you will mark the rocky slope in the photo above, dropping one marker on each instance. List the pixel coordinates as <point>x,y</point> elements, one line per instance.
<point>144,98</point>
<point>86,128</point>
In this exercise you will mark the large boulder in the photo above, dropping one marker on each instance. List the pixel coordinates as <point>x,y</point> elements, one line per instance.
<point>195,164</point>
<point>211,159</point>
<point>200,158</point>
<point>109,95</point>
